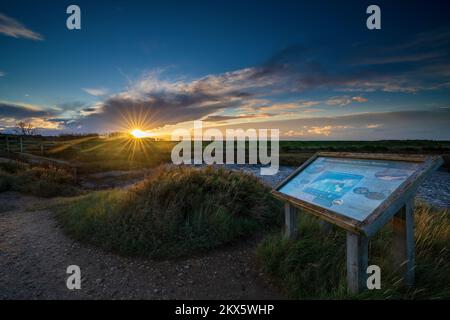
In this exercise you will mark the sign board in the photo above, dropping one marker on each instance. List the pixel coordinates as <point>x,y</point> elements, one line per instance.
<point>354,190</point>
<point>360,193</point>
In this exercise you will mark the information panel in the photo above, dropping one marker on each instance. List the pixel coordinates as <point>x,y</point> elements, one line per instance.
<point>351,187</point>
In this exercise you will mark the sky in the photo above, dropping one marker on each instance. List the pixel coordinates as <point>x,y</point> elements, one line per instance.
<point>311,69</point>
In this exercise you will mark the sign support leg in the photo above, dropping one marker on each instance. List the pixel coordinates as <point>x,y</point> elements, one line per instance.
<point>403,227</point>
<point>357,261</point>
<point>290,215</point>
<point>326,226</point>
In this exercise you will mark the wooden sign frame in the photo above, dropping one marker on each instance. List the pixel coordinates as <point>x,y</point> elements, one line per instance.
<point>398,206</point>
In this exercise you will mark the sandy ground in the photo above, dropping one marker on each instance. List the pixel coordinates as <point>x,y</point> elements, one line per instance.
<point>34,255</point>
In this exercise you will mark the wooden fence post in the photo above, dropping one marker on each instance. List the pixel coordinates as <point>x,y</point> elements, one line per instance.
<point>42,149</point>
<point>21,145</point>
<point>7,144</point>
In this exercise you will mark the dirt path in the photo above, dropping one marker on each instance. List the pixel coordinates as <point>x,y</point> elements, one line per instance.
<point>34,255</point>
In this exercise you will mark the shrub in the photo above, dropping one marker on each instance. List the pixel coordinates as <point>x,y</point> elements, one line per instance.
<point>5,181</point>
<point>314,265</point>
<point>39,181</point>
<point>12,166</point>
<point>176,211</point>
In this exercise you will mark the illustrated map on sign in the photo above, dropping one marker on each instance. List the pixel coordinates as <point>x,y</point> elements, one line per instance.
<point>351,187</point>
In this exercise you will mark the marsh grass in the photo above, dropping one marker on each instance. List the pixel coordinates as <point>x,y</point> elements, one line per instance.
<point>314,265</point>
<point>94,154</point>
<point>174,212</point>
<point>43,181</point>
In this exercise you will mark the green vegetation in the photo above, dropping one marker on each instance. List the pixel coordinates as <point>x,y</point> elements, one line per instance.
<point>314,265</point>
<point>121,153</point>
<point>92,153</point>
<point>296,152</point>
<point>179,211</point>
<point>395,146</point>
<point>174,212</point>
<point>39,181</point>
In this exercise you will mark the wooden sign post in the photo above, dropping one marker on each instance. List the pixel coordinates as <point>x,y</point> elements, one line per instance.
<point>359,193</point>
<point>403,230</point>
<point>290,218</point>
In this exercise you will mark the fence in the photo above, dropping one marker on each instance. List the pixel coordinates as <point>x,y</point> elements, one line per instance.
<point>32,150</point>
<point>26,144</point>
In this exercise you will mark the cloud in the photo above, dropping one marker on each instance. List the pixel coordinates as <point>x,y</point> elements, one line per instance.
<point>362,126</point>
<point>221,118</point>
<point>303,105</point>
<point>324,131</point>
<point>364,68</point>
<point>11,113</point>
<point>289,105</point>
<point>344,100</point>
<point>424,47</point>
<point>71,105</point>
<point>359,99</point>
<point>420,62</point>
<point>13,28</point>
<point>2,74</point>
<point>16,111</point>
<point>97,92</point>
<point>160,101</point>
<point>154,101</point>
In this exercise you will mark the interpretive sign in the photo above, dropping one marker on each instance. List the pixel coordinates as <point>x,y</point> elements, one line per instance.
<point>350,187</point>
<point>360,193</point>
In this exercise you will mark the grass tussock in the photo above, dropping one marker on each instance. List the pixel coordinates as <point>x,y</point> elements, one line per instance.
<point>39,181</point>
<point>314,265</point>
<point>174,212</point>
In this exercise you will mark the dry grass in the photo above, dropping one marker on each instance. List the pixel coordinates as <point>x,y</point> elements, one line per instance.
<point>314,265</point>
<point>174,212</point>
<point>43,181</point>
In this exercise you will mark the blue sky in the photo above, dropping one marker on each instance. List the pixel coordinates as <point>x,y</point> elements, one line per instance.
<point>310,68</point>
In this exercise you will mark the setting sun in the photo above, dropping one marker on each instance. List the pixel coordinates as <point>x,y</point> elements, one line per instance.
<point>138,133</point>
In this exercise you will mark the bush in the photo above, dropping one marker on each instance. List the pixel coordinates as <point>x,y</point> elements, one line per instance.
<point>176,211</point>
<point>12,166</point>
<point>38,181</point>
<point>314,265</point>
<point>5,181</point>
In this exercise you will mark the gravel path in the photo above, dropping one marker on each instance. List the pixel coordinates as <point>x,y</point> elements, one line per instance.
<point>34,255</point>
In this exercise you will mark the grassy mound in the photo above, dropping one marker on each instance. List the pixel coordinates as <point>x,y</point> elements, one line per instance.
<point>38,181</point>
<point>314,265</point>
<point>176,211</point>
